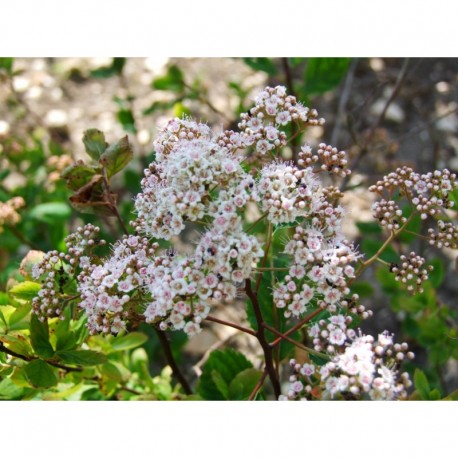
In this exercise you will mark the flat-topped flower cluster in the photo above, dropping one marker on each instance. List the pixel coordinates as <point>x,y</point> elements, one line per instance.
<point>208,179</point>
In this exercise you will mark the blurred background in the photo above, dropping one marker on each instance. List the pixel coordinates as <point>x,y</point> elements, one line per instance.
<point>383,112</point>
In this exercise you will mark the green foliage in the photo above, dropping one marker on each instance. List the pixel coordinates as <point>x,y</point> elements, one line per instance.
<point>324,74</point>
<point>116,68</point>
<point>220,372</point>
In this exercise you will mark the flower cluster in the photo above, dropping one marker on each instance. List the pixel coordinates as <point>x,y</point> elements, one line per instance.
<point>366,368</point>
<point>57,270</point>
<point>286,192</point>
<point>428,193</point>
<point>446,236</point>
<point>8,212</point>
<point>110,290</point>
<point>182,184</point>
<point>274,109</point>
<point>411,273</point>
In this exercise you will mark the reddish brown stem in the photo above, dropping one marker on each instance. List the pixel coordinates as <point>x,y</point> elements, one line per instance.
<point>231,325</point>
<point>258,386</point>
<point>260,334</point>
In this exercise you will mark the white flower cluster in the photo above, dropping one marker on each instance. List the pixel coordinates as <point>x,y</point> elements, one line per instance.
<point>319,271</point>
<point>287,193</point>
<point>274,109</point>
<point>183,184</point>
<point>364,369</point>
<point>110,290</point>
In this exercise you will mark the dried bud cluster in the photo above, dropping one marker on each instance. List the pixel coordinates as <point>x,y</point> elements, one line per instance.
<point>8,212</point>
<point>410,272</point>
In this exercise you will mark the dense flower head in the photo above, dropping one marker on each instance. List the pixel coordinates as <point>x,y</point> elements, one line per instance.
<point>332,160</point>
<point>110,288</point>
<point>320,269</point>
<point>286,192</point>
<point>364,368</point>
<point>388,214</point>
<point>184,184</point>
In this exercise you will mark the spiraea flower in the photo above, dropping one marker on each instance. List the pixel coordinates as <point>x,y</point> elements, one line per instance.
<point>363,368</point>
<point>446,235</point>
<point>9,212</point>
<point>111,288</point>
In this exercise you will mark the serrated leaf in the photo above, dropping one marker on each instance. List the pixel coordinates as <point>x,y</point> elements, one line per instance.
<point>94,143</point>
<point>244,383</point>
<point>324,74</point>
<point>39,337</point>
<point>77,175</point>
<point>117,156</point>
<point>129,341</point>
<point>40,374</point>
<point>26,290</point>
<point>228,363</point>
<point>82,357</point>
<point>421,384</point>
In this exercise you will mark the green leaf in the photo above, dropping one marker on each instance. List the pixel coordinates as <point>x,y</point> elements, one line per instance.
<point>244,383</point>
<point>10,391</point>
<point>413,226</point>
<point>262,64</point>
<point>39,337</point>
<point>371,246</point>
<point>173,81</point>
<point>387,280</point>
<point>129,341</point>
<point>368,227</point>
<point>40,374</point>
<point>227,363</point>
<point>220,384</point>
<point>6,63</point>
<point>421,384</point>
<point>117,156</point>
<point>82,357</point>
<point>78,174</point>
<point>26,290</point>
<point>362,288</point>
<point>126,118</point>
<point>17,320</point>
<point>51,212</point>
<point>110,371</point>
<point>94,142</point>
<point>453,396</point>
<point>436,277</point>
<point>115,68</point>
<point>324,74</point>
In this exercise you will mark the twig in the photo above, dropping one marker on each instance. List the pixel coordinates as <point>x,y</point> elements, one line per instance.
<point>296,327</point>
<point>231,325</point>
<point>6,350</point>
<point>262,339</point>
<point>344,96</point>
<point>258,386</point>
<point>113,205</point>
<point>165,344</point>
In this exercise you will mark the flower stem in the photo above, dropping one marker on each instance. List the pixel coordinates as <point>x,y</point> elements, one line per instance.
<point>260,334</point>
<point>165,344</point>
